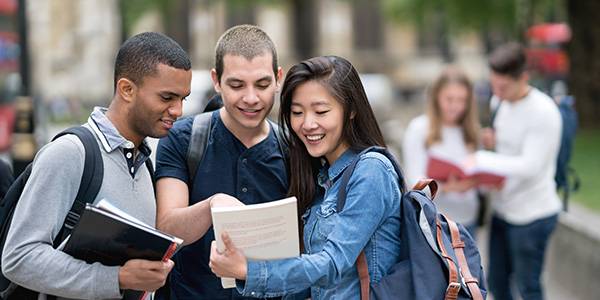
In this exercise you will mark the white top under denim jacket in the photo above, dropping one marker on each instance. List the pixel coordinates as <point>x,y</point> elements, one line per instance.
<point>370,220</point>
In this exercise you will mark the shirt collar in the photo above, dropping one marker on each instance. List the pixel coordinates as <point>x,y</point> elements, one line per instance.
<point>108,134</point>
<point>329,173</point>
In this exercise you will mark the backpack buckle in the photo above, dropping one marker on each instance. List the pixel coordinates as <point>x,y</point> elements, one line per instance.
<point>453,287</point>
<point>71,220</point>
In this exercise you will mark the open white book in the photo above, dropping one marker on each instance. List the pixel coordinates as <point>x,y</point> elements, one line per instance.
<point>262,231</point>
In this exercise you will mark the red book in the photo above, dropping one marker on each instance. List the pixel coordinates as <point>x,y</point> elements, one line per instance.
<point>442,169</point>
<point>168,254</point>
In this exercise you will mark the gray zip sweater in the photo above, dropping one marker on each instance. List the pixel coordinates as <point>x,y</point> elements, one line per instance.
<point>28,257</point>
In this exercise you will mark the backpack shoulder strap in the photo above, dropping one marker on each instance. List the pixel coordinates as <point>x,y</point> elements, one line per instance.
<point>361,260</point>
<point>458,245</point>
<point>201,128</point>
<point>91,180</point>
<point>281,142</point>
<point>150,168</point>
<point>363,275</point>
<point>494,113</point>
<point>423,183</point>
<point>341,196</point>
<point>453,277</point>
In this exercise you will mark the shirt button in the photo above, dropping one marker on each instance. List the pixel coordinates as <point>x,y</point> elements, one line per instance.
<point>245,160</point>
<point>132,170</point>
<point>244,189</point>
<point>129,155</point>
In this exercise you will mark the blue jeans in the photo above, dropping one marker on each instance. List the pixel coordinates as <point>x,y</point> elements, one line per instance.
<point>517,252</point>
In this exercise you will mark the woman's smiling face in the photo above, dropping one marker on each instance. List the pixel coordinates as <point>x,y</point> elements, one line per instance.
<point>317,119</point>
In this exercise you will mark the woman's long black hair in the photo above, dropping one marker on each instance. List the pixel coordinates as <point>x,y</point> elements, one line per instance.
<point>360,129</point>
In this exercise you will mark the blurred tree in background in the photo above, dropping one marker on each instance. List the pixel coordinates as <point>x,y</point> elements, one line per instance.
<point>174,14</point>
<point>437,21</point>
<point>499,21</point>
<point>584,52</point>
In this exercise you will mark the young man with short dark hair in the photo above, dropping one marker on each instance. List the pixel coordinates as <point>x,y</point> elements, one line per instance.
<point>152,77</point>
<point>242,159</point>
<point>526,139</point>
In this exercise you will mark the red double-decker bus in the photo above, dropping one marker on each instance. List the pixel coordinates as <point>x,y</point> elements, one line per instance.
<point>546,54</point>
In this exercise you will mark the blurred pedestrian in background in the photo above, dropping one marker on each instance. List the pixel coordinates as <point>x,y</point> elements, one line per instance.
<point>526,138</point>
<point>448,129</point>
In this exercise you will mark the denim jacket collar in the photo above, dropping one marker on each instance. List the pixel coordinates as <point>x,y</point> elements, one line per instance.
<point>329,173</point>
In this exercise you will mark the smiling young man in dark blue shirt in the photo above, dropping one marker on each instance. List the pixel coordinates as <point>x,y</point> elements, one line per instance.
<point>242,158</point>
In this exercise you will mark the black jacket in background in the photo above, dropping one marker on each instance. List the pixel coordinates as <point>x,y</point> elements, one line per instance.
<point>6,178</point>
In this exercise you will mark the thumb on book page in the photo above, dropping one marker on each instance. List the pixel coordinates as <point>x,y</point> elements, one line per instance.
<point>227,242</point>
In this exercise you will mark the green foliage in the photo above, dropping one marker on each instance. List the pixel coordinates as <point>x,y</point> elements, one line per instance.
<point>461,13</point>
<point>247,3</point>
<point>132,10</point>
<point>495,15</point>
<point>586,162</point>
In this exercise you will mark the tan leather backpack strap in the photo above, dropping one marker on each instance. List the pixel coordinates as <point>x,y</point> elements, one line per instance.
<point>423,183</point>
<point>453,280</point>
<point>363,275</point>
<point>458,245</point>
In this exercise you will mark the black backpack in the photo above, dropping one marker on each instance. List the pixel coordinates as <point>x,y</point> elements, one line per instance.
<point>199,137</point>
<point>6,178</point>
<point>438,257</point>
<point>200,134</point>
<point>566,178</point>
<point>91,181</point>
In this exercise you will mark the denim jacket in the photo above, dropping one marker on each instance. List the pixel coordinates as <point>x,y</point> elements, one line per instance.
<point>370,220</point>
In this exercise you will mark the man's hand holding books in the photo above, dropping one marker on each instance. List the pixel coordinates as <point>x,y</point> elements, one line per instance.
<point>144,275</point>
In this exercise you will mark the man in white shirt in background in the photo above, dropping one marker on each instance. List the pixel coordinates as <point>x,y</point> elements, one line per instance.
<point>526,140</point>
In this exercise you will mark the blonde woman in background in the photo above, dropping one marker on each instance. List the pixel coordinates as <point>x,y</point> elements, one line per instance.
<point>449,129</point>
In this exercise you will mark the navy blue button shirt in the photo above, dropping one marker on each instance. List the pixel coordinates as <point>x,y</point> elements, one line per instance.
<point>253,175</point>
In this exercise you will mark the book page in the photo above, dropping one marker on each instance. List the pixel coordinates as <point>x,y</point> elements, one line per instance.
<point>109,207</point>
<point>63,243</point>
<point>262,231</point>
